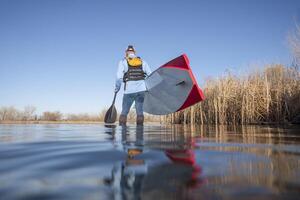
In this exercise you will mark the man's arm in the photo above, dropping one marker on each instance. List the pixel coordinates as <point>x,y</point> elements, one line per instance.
<point>120,74</point>
<point>146,68</point>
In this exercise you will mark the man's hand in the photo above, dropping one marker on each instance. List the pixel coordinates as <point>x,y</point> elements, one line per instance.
<point>118,85</point>
<point>117,89</point>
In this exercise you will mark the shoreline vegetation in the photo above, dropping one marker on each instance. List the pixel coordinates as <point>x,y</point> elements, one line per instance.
<point>267,96</point>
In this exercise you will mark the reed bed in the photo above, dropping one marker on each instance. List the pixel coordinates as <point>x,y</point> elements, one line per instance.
<point>269,95</point>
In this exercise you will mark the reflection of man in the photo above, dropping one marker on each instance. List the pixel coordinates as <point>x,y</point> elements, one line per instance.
<point>132,71</point>
<point>132,179</point>
<point>127,177</point>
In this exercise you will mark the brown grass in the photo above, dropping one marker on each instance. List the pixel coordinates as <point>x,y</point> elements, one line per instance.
<point>268,95</point>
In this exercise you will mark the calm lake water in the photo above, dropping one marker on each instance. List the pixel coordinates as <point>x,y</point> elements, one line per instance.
<point>151,162</point>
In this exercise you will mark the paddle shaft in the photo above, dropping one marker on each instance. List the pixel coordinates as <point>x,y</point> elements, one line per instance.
<point>113,103</point>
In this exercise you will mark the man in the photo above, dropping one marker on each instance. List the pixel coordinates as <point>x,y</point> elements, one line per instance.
<point>132,71</point>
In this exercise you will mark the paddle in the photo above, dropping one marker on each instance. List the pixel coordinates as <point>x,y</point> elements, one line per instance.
<point>111,113</point>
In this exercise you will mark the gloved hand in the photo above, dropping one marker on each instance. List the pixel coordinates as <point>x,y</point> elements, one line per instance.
<point>117,89</point>
<point>118,85</point>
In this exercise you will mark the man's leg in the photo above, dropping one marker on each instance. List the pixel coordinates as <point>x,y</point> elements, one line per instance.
<point>139,103</point>
<point>126,104</point>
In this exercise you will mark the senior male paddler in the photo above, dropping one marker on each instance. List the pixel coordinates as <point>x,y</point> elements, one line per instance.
<point>132,71</point>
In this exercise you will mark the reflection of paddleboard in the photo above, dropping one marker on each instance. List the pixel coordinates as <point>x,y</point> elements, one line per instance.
<point>171,88</point>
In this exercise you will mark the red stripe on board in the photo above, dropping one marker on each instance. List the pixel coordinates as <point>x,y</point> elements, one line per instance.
<point>176,67</point>
<point>197,86</point>
<point>182,156</point>
<point>194,97</point>
<point>180,62</point>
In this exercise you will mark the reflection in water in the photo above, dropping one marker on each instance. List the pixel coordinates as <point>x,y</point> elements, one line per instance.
<point>150,162</point>
<point>127,176</point>
<point>131,179</point>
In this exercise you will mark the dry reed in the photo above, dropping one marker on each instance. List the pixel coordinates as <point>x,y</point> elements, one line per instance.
<point>271,95</point>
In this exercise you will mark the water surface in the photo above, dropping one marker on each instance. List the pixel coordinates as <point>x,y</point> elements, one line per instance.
<point>58,161</point>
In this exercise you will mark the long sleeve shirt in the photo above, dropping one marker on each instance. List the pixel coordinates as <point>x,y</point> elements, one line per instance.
<point>131,86</point>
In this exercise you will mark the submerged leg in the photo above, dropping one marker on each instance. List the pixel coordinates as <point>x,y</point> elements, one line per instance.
<point>140,120</point>
<point>127,102</point>
<point>139,103</point>
<point>122,120</point>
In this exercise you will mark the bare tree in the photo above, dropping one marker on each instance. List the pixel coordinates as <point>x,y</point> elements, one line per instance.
<point>102,114</point>
<point>52,116</point>
<point>3,113</point>
<point>8,113</point>
<point>83,117</point>
<point>29,113</point>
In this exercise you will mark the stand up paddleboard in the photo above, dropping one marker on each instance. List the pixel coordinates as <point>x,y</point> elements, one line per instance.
<point>171,88</point>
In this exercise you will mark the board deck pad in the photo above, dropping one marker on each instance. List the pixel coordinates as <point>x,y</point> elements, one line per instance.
<point>171,88</point>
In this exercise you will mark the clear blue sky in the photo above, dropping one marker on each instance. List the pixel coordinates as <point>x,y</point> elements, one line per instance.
<point>63,54</point>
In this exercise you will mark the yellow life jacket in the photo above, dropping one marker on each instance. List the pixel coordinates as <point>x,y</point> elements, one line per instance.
<point>134,62</point>
<point>135,70</point>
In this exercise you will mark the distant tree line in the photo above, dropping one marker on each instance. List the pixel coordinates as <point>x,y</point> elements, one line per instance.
<point>10,113</point>
<point>28,113</point>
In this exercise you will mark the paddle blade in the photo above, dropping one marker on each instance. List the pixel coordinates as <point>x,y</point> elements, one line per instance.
<point>111,115</point>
